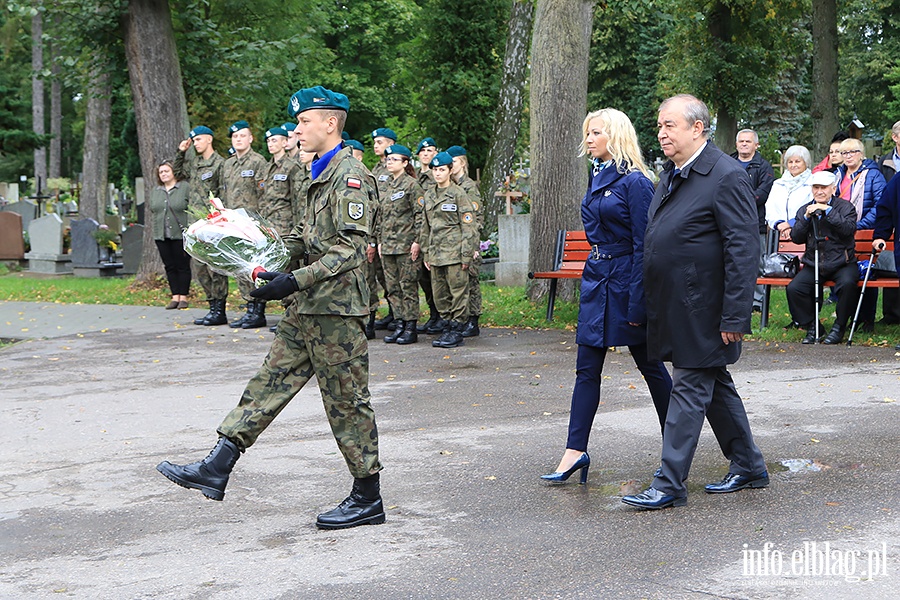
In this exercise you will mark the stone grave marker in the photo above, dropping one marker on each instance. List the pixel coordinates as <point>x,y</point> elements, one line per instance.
<point>46,256</point>
<point>88,259</point>
<point>26,209</point>
<point>12,241</point>
<point>132,248</point>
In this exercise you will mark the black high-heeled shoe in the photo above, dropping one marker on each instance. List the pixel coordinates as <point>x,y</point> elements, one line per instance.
<point>583,462</point>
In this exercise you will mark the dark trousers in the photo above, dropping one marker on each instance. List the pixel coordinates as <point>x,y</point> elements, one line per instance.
<point>586,395</point>
<point>178,265</point>
<point>711,393</point>
<point>801,293</point>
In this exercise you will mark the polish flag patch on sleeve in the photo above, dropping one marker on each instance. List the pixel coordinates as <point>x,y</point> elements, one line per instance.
<point>354,183</point>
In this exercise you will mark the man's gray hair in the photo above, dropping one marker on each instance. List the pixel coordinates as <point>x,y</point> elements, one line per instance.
<point>694,110</point>
<point>896,128</point>
<point>755,136</point>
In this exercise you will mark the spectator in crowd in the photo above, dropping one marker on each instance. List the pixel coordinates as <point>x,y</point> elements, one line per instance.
<point>168,207</point>
<point>890,162</point>
<point>889,165</point>
<point>790,192</point>
<point>887,220</point>
<point>834,159</point>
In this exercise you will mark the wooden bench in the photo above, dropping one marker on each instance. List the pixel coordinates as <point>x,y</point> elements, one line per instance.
<point>572,251</point>
<point>863,252</point>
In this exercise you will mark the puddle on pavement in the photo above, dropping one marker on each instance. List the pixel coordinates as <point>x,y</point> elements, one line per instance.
<point>798,465</point>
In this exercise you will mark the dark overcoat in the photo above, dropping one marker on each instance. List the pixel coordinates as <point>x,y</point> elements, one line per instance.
<point>614,213</point>
<point>701,254</point>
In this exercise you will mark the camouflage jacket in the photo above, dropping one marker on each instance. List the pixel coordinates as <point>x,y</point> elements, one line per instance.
<point>426,179</point>
<point>471,188</point>
<point>204,175</point>
<point>332,240</point>
<point>243,179</point>
<point>382,178</point>
<point>399,220</point>
<point>298,197</point>
<point>450,234</point>
<point>279,186</point>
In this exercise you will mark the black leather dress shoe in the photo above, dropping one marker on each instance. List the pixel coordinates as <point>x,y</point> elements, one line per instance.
<point>653,499</point>
<point>733,483</point>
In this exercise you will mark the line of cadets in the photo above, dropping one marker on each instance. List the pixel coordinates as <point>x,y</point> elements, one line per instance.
<point>425,231</point>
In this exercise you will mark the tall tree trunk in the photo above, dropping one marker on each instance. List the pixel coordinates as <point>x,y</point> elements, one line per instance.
<point>560,49</point>
<point>55,169</point>
<point>158,94</point>
<point>37,92</point>
<point>94,187</point>
<point>726,130</point>
<point>508,118</point>
<point>824,83</point>
<point>720,29</point>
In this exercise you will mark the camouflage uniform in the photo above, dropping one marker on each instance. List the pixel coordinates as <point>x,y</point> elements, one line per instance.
<point>322,332</point>
<point>474,293</point>
<point>277,204</point>
<point>374,269</point>
<point>205,176</point>
<point>244,180</point>
<point>397,226</point>
<point>426,180</point>
<point>449,240</point>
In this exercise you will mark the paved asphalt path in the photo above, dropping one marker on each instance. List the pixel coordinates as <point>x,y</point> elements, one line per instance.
<point>96,396</point>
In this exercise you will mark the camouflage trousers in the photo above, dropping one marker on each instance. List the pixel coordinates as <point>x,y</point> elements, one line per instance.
<point>374,276</point>
<point>214,284</point>
<point>451,286</point>
<point>401,273</point>
<point>335,350</point>
<point>475,288</point>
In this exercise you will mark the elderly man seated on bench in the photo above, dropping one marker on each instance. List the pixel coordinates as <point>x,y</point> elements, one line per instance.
<point>829,225</point>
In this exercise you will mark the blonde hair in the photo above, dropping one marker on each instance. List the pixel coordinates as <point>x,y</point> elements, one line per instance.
<point>465,164</point>
<point>623,142</point>
<point>853,144</point>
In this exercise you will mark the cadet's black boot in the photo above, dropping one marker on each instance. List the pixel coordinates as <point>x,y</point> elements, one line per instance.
<point>471,328</point>
<point>236,324</point>
<point>362,507</point>
<point>392,337</point>
<point>370,326</point>
<point>440,326</point>
<point>256,316</point>
<point>835,336</point>
<point>209,475</point>
<point>451,338</point>
<point>216,314</point>
<point>387,320</point>
<point>410,334</point>
<point>433,317</point>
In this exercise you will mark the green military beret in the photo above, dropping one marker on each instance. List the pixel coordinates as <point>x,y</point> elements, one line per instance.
<point>455,151</point>
<point>316,97</point>
<point>441,159</point>
<point>355,145</point>
<point>397,149</point>
<point>238,125</point>
<point>426,143</point>
<point>289,127</point>
<point>276,131</point>
<point>200,130</point>
<point>384,132</point>
<point>345,136</point>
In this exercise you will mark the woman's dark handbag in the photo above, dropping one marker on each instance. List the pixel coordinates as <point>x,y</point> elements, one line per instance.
<point>781,265</point>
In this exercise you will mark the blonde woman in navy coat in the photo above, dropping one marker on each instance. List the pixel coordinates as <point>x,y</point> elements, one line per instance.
<point>612,312</point>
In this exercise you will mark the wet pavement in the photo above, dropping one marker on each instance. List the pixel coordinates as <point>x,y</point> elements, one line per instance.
<point>96,396</point>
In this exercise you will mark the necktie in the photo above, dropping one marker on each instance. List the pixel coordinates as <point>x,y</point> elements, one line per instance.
<point>675,174</point>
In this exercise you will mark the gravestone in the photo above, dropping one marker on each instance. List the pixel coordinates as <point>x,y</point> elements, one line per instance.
<point>12,241</point>
<point>114,222</point>
<point>12,192</point>
<point>132,248</point>
<point>46,256</point>
<point>513,237</point>
<point>26,209</point>
<point>88,258</point>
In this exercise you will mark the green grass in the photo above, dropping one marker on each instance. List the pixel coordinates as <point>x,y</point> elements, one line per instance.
<point>503,307</point>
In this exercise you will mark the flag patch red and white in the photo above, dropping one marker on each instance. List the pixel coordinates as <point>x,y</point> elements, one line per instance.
<point>354,183</point>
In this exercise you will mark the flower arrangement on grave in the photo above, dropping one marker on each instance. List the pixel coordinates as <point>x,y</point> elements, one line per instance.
<point>489,248</point>
<point>106,237</point>
<point>235,242</point>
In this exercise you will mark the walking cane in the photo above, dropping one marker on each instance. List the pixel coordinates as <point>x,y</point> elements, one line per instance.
<point>818,305</point>
<point>862,292</point>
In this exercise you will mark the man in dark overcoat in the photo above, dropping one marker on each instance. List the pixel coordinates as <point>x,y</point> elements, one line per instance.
<point>700,259</point>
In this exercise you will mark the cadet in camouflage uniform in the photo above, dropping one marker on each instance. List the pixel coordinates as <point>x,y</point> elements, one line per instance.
<point>449,240</point>
<point>358,149</point>
<point>203,169</point>
<point>460,175</point>
<point>381,139</point>
<point>280,181</point>
<point>291,146</point>
<point>425,151</point>
<point>322,334</point>
<point>244,173</point>
<point>398,229</point>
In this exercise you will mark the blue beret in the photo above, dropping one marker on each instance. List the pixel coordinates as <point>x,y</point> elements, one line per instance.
<point>238,125</point>
<point>276,131</point>
<point>455,151</point>
<point>441,159</point>
<point>200,130</point>
<point>397,149</point>
<point>232,151</point>
<point>384,132</point>
<point>355,145</point>
<point>316,97</point>
<point>426,143</point>
<point>289,126</point>
<point>345,136</point>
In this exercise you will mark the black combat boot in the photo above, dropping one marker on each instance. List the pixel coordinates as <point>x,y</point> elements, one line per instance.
<point>410,334</point>
<point>362,507</point>
<point>256,315</point>
<point>394,335</point>
<point>471,328</point>
<point>209,475</point>
<point>451,338</point>
<point>835,336</point>
<point>433,317</point>
<point>387,320</point>
<point>237,323</point>
<point>440,326</point>
<point>370,326</point>
<point>216,314</point>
